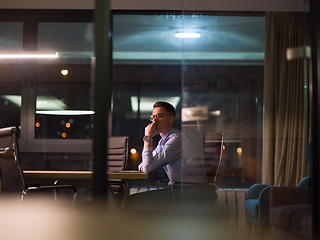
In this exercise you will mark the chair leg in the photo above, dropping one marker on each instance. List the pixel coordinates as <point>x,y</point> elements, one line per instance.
<point>23,193</point>
<point>248,228</point>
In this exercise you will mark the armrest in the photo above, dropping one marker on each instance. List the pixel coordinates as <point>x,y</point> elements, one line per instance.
<point>264,201</point>
<point>255,190</point>
<point>280,196</point>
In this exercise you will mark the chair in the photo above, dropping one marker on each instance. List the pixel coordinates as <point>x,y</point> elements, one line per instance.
<point>257,205</point>
<point>291,212</point>
<point>12,181</point>
<point>117,161</point>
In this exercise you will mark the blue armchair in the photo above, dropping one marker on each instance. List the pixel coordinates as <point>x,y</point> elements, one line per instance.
<point>257,205</point>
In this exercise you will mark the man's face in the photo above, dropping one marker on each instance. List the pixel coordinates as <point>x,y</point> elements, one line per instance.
<point>164,120</point>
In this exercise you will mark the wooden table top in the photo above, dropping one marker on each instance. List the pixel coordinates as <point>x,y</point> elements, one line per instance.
<point>129,174</point>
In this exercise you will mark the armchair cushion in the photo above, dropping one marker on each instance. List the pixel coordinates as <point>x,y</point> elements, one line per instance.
<point>282,216</point>
<point>302,221</point>
<point>291,211</point>
<point>296,218</point>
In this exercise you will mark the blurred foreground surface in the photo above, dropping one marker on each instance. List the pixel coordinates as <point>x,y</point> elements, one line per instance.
<point>35,219</point>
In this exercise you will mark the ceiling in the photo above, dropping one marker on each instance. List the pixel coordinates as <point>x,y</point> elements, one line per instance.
<point>223,38</point>
<point>150,37</point>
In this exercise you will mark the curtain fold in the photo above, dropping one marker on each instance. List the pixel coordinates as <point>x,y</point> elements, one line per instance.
<point>285,131</point>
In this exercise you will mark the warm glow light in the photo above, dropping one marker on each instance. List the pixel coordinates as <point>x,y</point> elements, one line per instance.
<point>68,125</point>
<point>239,150</point>
<point>28,55</point>
<point>64,135</point>
<point>37,124</point>
<point>133,151</point>
<point>216,113</point>
<point>64,72</point>
<point>187,34</point>
<point>223,147</point>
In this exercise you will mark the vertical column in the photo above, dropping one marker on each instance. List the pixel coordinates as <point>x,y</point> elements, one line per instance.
<point>315,53</point>
<point>102,96</point>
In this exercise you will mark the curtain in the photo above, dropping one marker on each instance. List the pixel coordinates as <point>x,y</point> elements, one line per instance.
<point>284,160</point>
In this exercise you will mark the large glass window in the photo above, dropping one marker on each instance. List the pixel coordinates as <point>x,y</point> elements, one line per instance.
<point>63,95</point>
<point>10,36</point>
<point>10,74</point>
<point>215,72</point>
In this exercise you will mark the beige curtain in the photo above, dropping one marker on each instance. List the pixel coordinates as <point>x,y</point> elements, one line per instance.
<point>284,160</point>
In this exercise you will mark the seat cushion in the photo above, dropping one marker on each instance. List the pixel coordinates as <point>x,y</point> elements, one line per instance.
<point>252,207</point>
<point>284,216</point>
<point>301,221</point>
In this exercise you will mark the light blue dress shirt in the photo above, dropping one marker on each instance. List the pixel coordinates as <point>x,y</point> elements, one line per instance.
<point>168,154</point>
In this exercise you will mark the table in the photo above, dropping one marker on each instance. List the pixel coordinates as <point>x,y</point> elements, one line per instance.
<point>130,174</point>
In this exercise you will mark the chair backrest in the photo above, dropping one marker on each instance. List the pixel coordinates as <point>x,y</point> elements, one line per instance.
<point>305,182</point>
<point>11,175</point>
<point>117,153</point>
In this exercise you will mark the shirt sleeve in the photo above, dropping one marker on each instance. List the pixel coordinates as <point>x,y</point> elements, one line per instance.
<point>171,151</point>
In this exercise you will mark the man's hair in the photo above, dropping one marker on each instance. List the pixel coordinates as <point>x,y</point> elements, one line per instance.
<point>167,106</point>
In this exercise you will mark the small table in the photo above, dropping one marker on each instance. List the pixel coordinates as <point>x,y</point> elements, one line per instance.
<point>129,174</point>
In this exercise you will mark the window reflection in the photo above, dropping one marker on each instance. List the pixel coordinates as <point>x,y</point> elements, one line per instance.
<point>63,102</point>
<point>10,75</point>
<point>11,36</point>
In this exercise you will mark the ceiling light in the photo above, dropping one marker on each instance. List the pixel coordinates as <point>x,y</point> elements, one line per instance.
<point>187,34</point>
<point>146,103</point>
<point>66,112</point>
<point>29,55</point>
<point>42,103</point>
<point>199,113</point>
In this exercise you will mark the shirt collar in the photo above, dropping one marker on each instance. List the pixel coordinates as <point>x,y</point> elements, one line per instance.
<point>163,141</point>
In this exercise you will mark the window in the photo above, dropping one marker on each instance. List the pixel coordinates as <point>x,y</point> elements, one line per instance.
<point>218,71</point>
<point>63,94</point>
<point>11,76</point>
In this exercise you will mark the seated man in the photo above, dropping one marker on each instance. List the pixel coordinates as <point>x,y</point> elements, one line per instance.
<point>168,153</point>
<point>186,179</point>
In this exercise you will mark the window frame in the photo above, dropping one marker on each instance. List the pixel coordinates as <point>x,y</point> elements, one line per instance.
<point>30,20</point>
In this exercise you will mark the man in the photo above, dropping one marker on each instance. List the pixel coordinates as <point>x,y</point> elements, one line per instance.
<point>168,154</point>
<point>185,183</point>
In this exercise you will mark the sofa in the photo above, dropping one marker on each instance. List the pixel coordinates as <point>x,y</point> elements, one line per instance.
<point>291,212</point>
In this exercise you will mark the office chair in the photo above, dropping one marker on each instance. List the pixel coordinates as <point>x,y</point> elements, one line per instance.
<point>117,161</point>
<point>12,181</point>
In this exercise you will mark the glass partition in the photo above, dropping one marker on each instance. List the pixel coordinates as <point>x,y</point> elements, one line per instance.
<point>11,74</point>
<point>218,66</point>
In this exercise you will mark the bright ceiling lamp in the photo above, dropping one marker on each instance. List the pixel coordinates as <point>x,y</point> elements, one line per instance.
<point>66,112</point>
<point>146,103</point>
<point>29,55</point>
<point>187,35</point>
<point>42,103</point>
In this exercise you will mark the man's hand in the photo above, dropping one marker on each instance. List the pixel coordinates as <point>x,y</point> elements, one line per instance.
<point>151,129</point>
